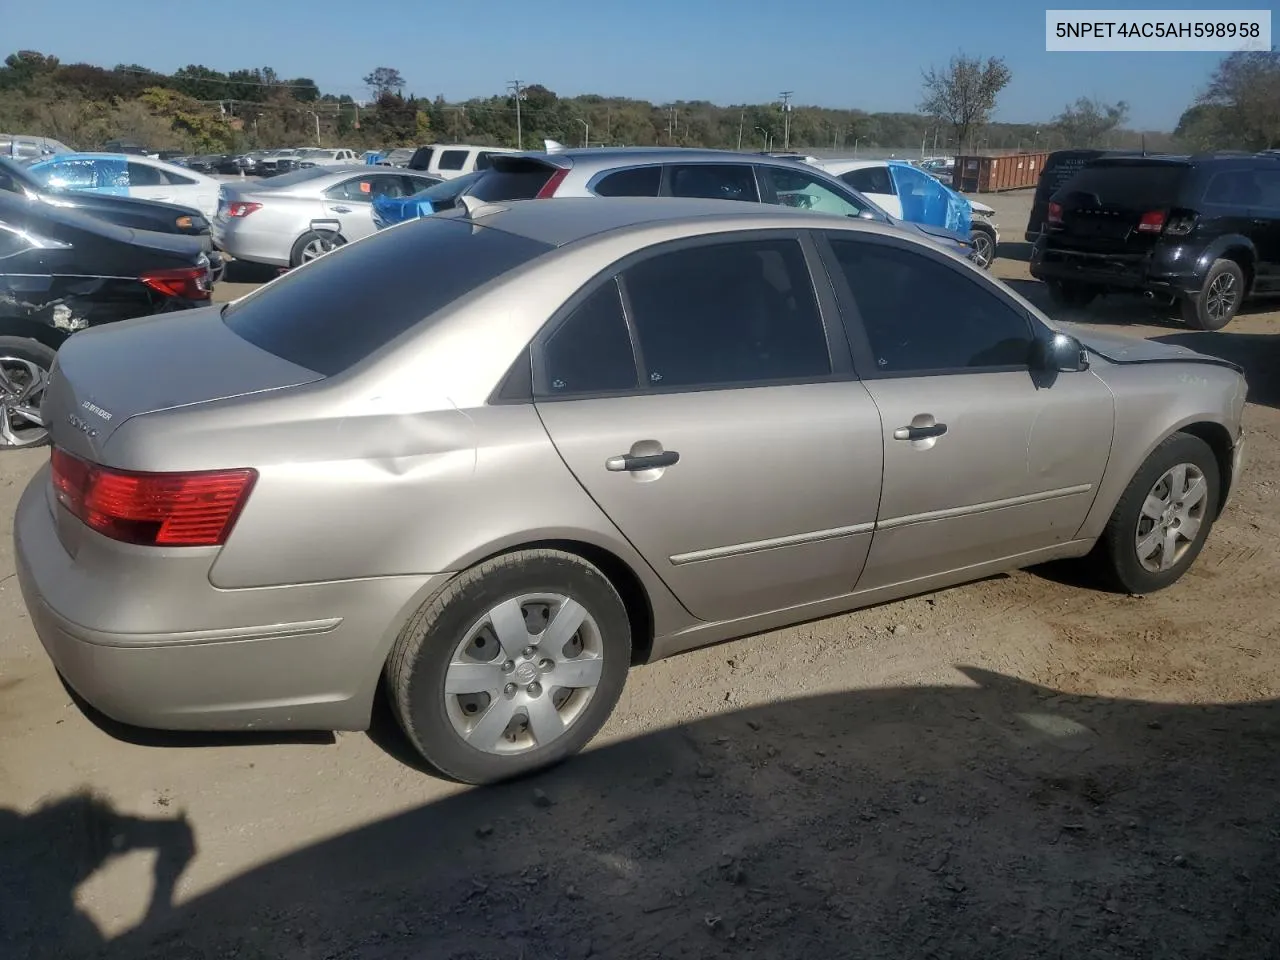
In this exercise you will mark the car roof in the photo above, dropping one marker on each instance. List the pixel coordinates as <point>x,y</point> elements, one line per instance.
<point>565,220</point>
<point>614,156</point>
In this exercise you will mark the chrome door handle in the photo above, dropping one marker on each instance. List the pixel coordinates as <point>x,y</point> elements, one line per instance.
<point>920,433</point>
<point>630,464</point>
<point>340,209</point>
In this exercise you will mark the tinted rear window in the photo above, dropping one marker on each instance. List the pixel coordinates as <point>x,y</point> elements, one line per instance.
<point>636,182</point>
<point>512,180</point>
<point>334,312</point>
<point>1133,185</point>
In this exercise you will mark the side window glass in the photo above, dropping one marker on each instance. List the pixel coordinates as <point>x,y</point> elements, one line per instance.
<point>1232,188</point>
<point>484,160</point>
<point>591,351</point>
<point>72,175</point>
<point>714,181</point>
<point>356,190</point>
<point>453,159</point>
<point>922,315</point>
<point>1268,182</point>
<point>729,314</point>
<point>636,182</point>
<point>796,188</point>
<point>141,175</point>
<point>870,180</point>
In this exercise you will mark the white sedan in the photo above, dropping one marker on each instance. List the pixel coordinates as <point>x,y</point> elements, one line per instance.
<point>873,180</point>
<point>128,175</point>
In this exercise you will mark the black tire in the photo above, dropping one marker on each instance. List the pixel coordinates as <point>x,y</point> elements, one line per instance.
<point>1115,557</point>
<point>1201,312</point>
<point>16,350</point>
<point>325,237</point>
<point>1071,293</point>
<point>419,660</point>
<point>983,236</point>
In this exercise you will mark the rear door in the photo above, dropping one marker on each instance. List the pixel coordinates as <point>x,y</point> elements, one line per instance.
<point>981,462</point>
<point>732,446</point>
<point>350,202</point>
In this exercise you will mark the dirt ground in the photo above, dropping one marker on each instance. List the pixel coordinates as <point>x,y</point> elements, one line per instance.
<point>1018,768</point>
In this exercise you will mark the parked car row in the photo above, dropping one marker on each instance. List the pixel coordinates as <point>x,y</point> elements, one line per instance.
<point>1201,232</point>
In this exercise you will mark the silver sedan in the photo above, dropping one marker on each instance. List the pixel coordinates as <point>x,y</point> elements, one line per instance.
<point>489,459</point>
<point>287,220</point>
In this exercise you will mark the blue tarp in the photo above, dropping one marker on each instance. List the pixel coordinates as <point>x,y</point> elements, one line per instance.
<point>925,200</point>
<point>388,211</point>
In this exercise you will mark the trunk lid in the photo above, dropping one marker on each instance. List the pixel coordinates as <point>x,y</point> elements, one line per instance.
<point>1103,205</point>
<point>106,375</point>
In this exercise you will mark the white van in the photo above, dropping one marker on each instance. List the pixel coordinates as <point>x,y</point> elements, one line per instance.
<point>449,160</point>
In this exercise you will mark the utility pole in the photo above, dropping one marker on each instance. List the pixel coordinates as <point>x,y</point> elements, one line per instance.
<point>517,92</point>
<point>586,132</point>
<point>785,96</point>
<point>742,119</point>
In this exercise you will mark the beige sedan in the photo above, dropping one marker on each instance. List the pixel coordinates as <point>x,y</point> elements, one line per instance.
<point>491,459</point>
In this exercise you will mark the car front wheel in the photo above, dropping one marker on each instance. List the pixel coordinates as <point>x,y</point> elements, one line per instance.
<point>1163,519</point>
<point>984,247</point>
<point>513,667</point>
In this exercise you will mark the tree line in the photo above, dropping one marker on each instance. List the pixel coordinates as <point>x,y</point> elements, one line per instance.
<point>198,109</point>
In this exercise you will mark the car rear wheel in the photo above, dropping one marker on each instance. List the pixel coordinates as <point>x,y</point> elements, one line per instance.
<point>1219,300</point>
<point>24,374</point>
<point>1163,519</point>
<point>513,667</point>
<point>1071,293</point>
<point>313,245</point>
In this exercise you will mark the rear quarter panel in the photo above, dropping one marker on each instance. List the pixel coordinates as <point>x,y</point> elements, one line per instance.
<point>1154,401</point>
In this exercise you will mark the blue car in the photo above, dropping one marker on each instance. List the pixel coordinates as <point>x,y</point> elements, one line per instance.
<point>388,211</point>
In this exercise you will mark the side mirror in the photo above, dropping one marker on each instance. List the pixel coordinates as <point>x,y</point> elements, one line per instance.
<point>1059,353</point>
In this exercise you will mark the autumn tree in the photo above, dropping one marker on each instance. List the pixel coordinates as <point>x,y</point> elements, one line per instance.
<point>384,80</point>
<point>964,94</point>
<point>1087,122</point>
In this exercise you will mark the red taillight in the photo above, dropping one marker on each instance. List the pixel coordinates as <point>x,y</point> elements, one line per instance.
<point>240,208</point>
<point>153,509</point>
<point>1055,213</point>
<point>549,188</point>
<point>1151,222</point>
<point>189,282</point>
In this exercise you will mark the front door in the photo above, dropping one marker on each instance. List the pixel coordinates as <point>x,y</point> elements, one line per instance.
<point>876,185</point>
<point>982,462</point>
<point>732,447</point>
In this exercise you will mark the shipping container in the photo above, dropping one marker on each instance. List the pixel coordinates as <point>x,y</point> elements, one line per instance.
<point>1015,171</point>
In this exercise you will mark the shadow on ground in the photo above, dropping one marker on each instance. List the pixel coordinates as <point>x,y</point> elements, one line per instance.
<point>995,820</point>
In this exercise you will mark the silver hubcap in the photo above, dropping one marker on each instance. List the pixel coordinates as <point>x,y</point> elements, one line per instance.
<point>22,384</point>
<point>317,248</point>
<point>523,674</point>
<point>1171,517</point>
<point>981,248</point>
<point>1220,298</point>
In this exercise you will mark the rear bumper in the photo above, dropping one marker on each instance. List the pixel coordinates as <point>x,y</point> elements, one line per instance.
<point>1132,272</point>
<point>148,641</point>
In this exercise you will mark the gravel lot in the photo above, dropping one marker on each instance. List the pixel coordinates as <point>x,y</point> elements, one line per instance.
<point>1018,768</point>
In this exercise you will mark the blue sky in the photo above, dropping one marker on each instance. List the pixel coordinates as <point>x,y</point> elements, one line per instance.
<point>838,53</point>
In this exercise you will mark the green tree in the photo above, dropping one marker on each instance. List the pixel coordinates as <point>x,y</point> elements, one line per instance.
<point>1088,122</point>
<point>964,94</point>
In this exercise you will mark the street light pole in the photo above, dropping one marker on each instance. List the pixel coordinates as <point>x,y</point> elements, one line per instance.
<point>785,95</point>
<point>586,132</point>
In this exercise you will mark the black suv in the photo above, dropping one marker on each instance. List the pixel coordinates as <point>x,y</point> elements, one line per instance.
<point>1202,230</point>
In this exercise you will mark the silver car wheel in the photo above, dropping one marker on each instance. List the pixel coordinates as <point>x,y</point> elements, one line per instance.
<point>1171,517</point>
<point>317,248</point>
<point>983,248</point>
<point>1220,298</point>
<point>22,384</point>
<point>523,674</point>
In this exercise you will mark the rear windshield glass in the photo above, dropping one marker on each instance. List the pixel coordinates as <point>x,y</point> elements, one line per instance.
<point>289,179</point>
<point>507,180</point>
<point>1136,185</point>
<point>339,309</point>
